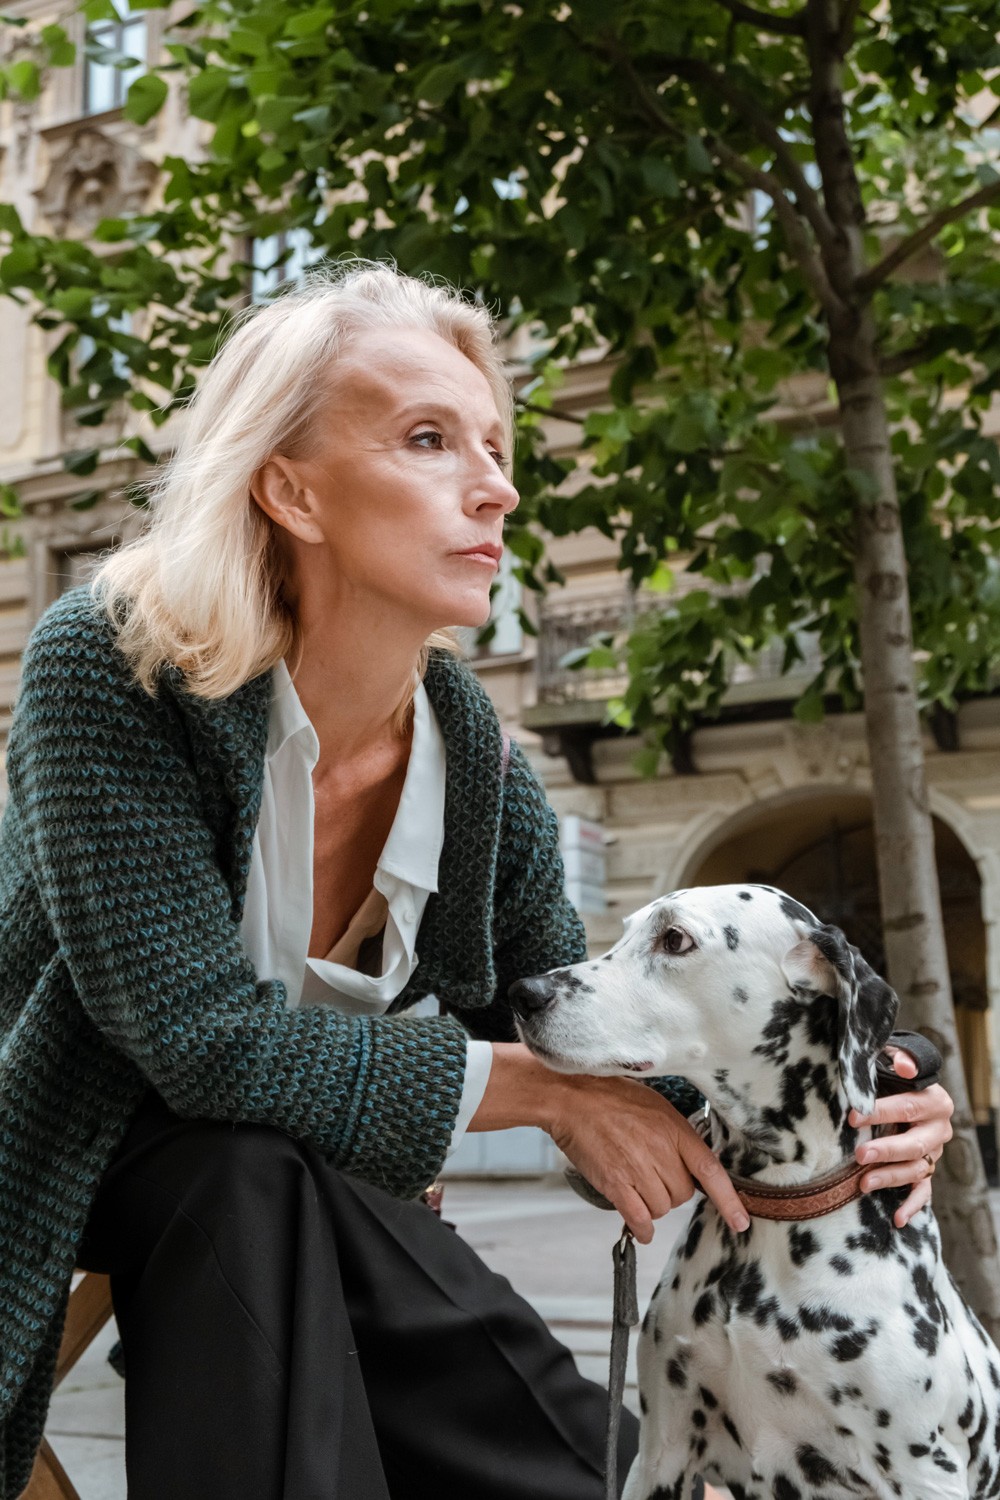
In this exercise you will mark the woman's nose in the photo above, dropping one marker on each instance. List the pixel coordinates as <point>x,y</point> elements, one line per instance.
<point>490,486</point>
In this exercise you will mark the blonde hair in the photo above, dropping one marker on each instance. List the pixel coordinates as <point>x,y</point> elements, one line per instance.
<point>200,588</point>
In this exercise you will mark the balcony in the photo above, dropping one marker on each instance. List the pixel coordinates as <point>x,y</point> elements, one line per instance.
<point>571,705</point>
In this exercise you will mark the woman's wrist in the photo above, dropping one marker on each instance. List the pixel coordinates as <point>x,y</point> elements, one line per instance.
<point>522,1091</point>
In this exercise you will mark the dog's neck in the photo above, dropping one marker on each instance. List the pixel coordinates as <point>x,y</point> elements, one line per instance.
<point>786,1121</point>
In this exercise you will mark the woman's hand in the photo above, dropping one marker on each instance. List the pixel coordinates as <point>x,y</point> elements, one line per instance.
<point>640,1153</point>
<point>629,1143</point>
<point>901,1158</point>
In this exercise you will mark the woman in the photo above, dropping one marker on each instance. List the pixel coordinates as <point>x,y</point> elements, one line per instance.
<point>245,789</point>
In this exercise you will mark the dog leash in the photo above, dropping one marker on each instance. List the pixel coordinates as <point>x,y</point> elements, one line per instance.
<point>624,1316</point>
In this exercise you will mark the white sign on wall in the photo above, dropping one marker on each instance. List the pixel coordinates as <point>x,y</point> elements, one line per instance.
<point>582,843</point>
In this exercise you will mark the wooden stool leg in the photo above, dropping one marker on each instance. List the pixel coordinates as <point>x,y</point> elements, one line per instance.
<point>49,1480</point>
<point>88,1311</point>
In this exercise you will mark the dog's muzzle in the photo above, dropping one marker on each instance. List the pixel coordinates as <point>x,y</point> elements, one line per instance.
<point>531,996</point>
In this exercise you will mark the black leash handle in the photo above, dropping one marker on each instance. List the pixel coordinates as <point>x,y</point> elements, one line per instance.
<point>624,1316</point>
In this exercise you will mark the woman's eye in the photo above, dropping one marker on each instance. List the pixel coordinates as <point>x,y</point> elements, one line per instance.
<point>432,439</point>
<point>676,940</point>
<point>500,459</point>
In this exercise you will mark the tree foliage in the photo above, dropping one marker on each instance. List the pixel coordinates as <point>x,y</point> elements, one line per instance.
<point>639,179</point>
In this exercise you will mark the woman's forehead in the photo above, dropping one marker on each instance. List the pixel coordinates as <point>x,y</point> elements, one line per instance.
<point>391,368</point>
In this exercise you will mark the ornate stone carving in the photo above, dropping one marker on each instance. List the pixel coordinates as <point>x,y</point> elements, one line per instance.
<point>96,177</point>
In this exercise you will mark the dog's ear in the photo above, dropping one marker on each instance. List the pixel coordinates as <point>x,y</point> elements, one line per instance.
<point>824,961</point>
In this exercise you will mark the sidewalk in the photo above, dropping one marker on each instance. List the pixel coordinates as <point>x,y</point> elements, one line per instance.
<point>553,1247</point>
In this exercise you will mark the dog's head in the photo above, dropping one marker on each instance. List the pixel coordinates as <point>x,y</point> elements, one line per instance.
<point>722,985</point>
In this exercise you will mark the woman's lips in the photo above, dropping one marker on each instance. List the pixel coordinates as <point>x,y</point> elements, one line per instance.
<point>481,557</point>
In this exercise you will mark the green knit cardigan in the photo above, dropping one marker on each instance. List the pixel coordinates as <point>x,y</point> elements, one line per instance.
<point>124,855</point>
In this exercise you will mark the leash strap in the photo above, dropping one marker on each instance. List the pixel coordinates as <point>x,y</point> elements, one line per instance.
<point>625,1315</point>
<point>925,1055</point>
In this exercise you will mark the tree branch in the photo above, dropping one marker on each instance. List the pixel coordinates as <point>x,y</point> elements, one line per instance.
<point>798,241</point>
<point>915,242</point>
<point>907,359</point>
<point>845,34</point>
<point>551,411</point>
<point>763,20</point>
<point>768,134</point>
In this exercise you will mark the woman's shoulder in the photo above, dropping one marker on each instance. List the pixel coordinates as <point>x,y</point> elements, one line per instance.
<point>76,628</point>
<point>72,656</point>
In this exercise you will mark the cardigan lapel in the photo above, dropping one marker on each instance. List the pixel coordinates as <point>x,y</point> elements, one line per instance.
<point>455,941</point>
<point>228,738</point>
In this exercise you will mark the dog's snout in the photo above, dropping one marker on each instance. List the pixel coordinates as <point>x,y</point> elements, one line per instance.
<point>529,996</point>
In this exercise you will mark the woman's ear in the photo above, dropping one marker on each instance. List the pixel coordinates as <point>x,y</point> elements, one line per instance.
<point>282,491</point>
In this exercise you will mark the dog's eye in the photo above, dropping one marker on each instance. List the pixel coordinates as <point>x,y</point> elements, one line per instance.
<point>676,940</point>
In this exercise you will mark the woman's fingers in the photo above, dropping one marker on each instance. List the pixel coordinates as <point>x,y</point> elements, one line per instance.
<point>931,1105</point>
<point>714,1180</point>
<point>907,1158</point>
<point>918,1199</point>
<point>641,1154</point>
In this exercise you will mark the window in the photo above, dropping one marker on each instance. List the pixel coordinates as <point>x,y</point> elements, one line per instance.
<point>116,56</point>
<point>279,259</point>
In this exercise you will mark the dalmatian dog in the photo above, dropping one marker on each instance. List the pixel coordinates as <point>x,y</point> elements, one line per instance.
<point>830,1358</point>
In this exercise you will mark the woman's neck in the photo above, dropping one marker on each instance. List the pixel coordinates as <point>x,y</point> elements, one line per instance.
<point>351,678</point>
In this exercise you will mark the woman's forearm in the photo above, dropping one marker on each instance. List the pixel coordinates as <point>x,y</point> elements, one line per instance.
<point>521,1091</point>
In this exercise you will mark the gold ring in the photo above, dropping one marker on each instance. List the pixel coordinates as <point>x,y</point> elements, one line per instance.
<point>931,1163</point>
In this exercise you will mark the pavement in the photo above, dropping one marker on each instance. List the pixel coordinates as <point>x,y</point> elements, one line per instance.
<point>553,1247</point>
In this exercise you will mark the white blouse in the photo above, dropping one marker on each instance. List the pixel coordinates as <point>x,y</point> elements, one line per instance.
<point>277,917</point>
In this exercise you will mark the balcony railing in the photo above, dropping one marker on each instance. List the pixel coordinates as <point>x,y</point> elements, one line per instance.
<point>568,623</point>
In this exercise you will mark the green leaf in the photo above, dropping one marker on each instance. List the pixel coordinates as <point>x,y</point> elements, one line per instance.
<point>647,761</point>
<point>25,79</point>
<point>99,10</point>
<point>82,461</point>
<point>441,81</point>
<point>696,155</point>
<point>208,91</point>
<point>146,97</point>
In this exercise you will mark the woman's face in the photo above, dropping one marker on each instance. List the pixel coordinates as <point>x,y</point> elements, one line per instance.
<point>405,483</point>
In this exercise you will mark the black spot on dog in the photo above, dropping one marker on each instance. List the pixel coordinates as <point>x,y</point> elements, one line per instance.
<point>703,1309</point>
<point>707,1399</point>
<point>802,1244</point>
<point>853,1345</point>
<point>882,1417</point>
<point>822,1319</point>
<point>745,896</point>
<point>784,1489</point>
<point>740,995</point>
<point>676,1374</point>
<point>732,938</point>
<point>698,1418</point>
<point>794,910</point>
<point>730,1427</point>
<point>841,1265</point>
<point>783,1381</point>
<point>815,1466</point>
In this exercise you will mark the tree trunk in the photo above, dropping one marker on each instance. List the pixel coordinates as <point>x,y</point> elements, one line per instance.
<point>904,836</point>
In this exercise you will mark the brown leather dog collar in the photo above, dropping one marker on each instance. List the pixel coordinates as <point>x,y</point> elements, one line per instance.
<point>809,1200</point>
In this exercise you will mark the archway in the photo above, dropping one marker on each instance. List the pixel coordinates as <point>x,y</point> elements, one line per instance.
<point>821,850</point>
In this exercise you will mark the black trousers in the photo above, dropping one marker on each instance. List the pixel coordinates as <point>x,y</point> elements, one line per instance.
<point>291,1334</point>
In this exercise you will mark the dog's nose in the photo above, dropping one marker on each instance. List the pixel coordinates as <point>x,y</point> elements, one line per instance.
<point>529,996</point>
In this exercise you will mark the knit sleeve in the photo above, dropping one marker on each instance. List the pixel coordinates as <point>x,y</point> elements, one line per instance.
<point>104,790</point>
